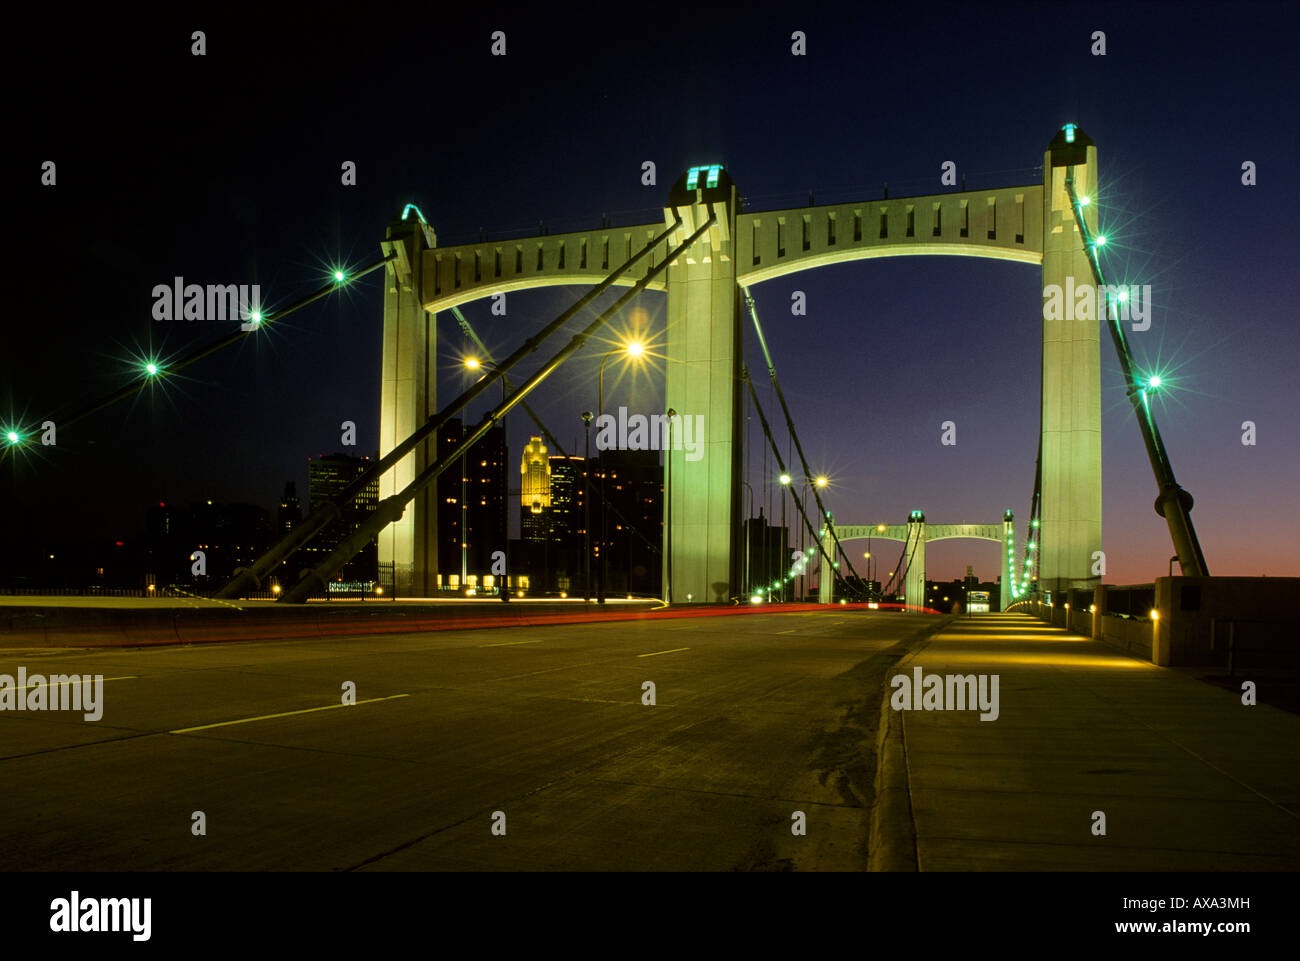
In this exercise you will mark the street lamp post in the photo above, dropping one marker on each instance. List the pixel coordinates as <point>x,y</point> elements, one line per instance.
<point>668,511</point>
<point>749,510</point>
<point>785,530</point>
<point>600,455</point>
<point>820,481</point>
<point>586,509</point>
<point>473,363</point>
<point>632,349</point>
<point>803,576</point>
<point>464,514</point>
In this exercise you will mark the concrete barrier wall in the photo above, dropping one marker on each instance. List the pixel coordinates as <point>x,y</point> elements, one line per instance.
<point>1128,635</point>
<point>1199,622</point>
<point>1206,620</point>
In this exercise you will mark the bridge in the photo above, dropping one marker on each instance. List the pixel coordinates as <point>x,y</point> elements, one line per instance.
<point>704,256</point>
<point>914,535</point>
<point>1033,224</point>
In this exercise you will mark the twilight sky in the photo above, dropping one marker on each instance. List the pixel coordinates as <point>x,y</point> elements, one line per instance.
<point>226,169</point>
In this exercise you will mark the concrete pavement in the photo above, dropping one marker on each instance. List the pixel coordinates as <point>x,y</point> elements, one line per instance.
<point>1186,776</point>
<point>757,716</point>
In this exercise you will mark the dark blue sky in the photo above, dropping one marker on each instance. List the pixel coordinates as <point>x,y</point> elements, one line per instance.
<point>226,169</point>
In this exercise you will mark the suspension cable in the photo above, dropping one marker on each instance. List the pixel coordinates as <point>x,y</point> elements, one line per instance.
<point>794,436</point>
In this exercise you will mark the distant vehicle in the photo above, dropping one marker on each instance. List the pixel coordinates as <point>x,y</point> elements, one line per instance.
<point>977,602</point>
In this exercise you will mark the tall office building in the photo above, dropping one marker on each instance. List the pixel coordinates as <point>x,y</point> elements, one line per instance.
<point>535,493</point>
<point>768,559</point>
<point>567,501</point>
<point>633,522</point>
<point>327,477</point>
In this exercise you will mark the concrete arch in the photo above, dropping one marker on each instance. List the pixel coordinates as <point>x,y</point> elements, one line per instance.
<point>915,534</point>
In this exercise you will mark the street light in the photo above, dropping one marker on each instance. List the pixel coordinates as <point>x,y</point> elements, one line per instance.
<point>632,349</point>
<point>785,530</point>
<point>668,512</point>
<point>749,530</point>
<point>473,363</point>
<point>586,509</point>
<point>820,481</point>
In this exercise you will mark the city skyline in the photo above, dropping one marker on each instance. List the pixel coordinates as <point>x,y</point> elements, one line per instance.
<point>239,423</point>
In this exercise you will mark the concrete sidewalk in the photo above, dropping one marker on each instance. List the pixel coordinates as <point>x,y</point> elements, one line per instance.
<point>1189,778</point>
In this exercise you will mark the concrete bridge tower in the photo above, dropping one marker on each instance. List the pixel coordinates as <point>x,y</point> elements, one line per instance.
<point>1070,512</point>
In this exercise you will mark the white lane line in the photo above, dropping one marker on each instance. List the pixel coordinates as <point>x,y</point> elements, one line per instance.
<point>267,717</point>
<point>77,680</point>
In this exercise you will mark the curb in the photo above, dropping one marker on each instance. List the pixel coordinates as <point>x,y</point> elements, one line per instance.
<point>892,844</point>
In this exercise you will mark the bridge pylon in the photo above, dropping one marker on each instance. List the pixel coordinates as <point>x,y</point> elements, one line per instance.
<point>1070,512</point>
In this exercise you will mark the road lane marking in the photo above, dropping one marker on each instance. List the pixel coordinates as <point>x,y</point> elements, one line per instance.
<point>595,700</point>
<point>657,653</point>
<point>78,680</point>
<point>507,643</point>
<point>267,717</point>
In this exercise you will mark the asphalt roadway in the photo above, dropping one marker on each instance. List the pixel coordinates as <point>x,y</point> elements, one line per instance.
<point>756,717</point>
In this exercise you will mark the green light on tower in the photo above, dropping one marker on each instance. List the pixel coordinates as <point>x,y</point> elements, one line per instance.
<point>13,437</point>
<point>151,369</point>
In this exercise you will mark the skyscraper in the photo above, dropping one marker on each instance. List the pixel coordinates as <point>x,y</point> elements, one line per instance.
<point>633,522</point>
<point>535,493</point>
<point>567,501</point>
<point>327,477</point>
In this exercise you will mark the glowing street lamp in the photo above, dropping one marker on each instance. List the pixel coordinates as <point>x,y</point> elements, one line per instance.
<point>632,348</point>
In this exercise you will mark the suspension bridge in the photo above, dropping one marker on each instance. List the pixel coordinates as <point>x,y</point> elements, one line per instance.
<point>705,255</point>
